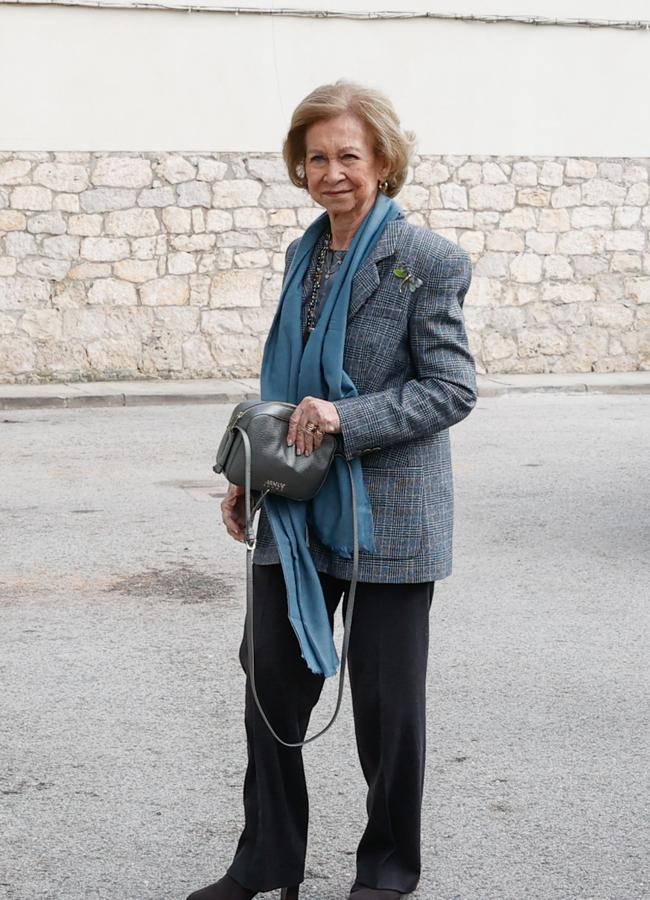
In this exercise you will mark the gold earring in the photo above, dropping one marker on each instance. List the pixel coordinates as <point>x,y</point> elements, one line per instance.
<point>383,185</point>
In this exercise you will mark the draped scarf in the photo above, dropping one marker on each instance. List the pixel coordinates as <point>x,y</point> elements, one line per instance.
<point>292,370</point>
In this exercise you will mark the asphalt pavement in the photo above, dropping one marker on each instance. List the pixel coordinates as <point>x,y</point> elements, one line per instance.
<point>122,747</point>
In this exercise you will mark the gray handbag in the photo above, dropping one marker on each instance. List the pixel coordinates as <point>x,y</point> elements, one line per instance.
<point>275,467</point>
<point>253,453</point>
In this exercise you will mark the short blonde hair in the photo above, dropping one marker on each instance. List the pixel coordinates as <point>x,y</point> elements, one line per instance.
<point>373,108</point>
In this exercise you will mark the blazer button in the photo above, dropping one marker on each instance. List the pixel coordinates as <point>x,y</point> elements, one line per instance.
<point>371,450</point>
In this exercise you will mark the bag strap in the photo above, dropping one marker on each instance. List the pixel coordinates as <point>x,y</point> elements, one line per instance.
<point>250,546</point>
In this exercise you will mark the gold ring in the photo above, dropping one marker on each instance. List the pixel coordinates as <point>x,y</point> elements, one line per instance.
<point>312,426</point>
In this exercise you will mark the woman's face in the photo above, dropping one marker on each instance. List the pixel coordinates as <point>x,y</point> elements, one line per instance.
<point>341,166</point>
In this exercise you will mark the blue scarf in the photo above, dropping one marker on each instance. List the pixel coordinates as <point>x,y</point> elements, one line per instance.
<point>290,373</point>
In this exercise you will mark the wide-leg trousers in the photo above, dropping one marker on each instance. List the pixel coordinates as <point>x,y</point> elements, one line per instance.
<point>387,666</point>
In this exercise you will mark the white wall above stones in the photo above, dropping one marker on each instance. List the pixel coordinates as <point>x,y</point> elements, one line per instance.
<point>89,79</point>
<point>144,211</point>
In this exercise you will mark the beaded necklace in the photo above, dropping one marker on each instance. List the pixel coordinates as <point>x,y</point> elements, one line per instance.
<point>319,275</point>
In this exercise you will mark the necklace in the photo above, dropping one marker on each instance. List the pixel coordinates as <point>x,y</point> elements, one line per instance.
<point>333,258</point>
<point>322,273</point>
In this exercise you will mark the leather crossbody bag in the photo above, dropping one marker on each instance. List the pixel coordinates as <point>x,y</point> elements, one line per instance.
<point>253,453</point>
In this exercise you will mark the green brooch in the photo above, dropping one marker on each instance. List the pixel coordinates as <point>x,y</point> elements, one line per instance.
<point>406,278</point>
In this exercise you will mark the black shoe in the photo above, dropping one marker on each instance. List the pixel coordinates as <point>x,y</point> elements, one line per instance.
<point>229,889</point>
<point>224,889</point>
<point>365,893</point>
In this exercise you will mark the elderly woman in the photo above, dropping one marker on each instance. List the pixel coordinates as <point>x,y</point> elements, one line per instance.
<point>370,313</point>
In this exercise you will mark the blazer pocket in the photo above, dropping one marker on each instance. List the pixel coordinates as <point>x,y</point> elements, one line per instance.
<point>387,311</point>
<point>396,501</point>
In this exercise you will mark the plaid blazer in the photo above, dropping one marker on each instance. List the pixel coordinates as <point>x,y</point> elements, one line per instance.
<point>408,355</point>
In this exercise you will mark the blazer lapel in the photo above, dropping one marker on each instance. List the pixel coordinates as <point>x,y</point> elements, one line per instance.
<point>367,278</point>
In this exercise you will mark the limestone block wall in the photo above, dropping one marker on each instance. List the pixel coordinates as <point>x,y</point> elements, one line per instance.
<point>148,265</point>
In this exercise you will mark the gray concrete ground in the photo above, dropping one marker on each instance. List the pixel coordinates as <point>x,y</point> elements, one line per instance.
<point>122,748</point>
<point>214,390</point>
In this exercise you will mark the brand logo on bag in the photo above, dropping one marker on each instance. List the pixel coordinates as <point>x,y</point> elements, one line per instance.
<point>275,485</point>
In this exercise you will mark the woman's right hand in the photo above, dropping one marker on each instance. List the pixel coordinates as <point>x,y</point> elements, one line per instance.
<point>233,512</point>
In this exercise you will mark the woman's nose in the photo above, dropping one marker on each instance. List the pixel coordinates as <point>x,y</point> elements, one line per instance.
<point>334,171</point>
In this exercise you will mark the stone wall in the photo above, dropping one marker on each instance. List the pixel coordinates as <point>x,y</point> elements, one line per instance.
<point>125,265</point>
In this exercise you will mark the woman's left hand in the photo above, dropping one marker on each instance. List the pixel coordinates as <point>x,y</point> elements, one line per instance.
<point>322,413</point>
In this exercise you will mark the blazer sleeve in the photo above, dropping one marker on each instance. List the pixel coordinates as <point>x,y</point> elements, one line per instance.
<point>444,389</point>
<point>288,257</point>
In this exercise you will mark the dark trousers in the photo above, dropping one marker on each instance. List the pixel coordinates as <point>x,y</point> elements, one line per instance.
<point>387,666</point>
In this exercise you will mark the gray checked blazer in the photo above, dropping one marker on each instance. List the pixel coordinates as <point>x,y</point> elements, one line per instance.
<point>408,355</point>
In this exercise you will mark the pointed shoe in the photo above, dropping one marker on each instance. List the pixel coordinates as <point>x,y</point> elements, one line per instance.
<point>224,889</point>
<point>366,893</point>
<point>229,889</point>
